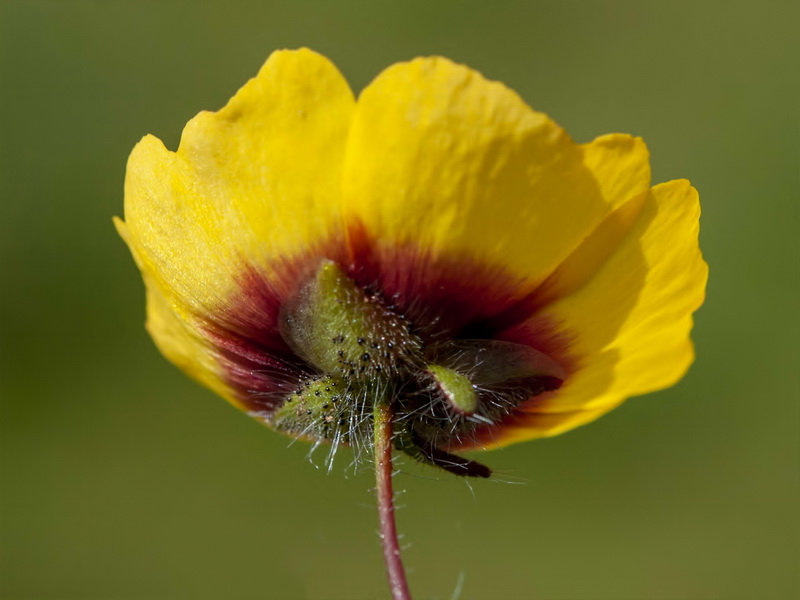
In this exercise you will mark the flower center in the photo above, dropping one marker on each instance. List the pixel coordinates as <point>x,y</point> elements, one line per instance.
<point>361,351</point>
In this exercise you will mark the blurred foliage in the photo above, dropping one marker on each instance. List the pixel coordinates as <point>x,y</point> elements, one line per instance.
<point>121,479</point>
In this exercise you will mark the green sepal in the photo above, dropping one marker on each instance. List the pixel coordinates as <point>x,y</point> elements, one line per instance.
<point>456,389</point>
<point>319,409</point>
<point>493,362</point>
<point>339,328</point>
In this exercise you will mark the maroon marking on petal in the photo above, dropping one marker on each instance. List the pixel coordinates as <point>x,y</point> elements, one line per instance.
<point>260,378</point>
<point>443,297</point>
<point>453,297</point>
<point>259,366</point>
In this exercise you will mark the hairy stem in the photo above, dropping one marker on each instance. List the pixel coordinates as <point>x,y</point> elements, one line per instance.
<point>383,416</point>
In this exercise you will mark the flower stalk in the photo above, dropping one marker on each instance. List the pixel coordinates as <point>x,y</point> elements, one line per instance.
<point>383,416</point>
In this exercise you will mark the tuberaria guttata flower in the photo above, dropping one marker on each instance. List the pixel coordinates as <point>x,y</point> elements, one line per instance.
<point>435,247</point>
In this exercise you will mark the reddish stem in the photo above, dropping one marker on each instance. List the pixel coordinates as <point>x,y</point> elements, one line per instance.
<point>383,416</point>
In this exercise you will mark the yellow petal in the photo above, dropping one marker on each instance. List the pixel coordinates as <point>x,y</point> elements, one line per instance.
<point>628,325</point>
<point>183,345</point>
<point>620,165</point>
<point>256,183</point>
<point>441,159</point>
<point>529,426</point>
<point>179,340</point>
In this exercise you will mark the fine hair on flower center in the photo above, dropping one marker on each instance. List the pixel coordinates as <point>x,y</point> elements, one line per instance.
<point>360,350</point>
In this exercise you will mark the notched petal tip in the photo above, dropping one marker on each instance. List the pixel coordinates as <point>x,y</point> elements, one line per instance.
<point>285,75</point>
<point>620,164</point>
<point>146,162</point>
<point>454,90</point>
<point>122,228</point>
<point>623,142</point>
<point>148,143</point>
<point>627,154</point>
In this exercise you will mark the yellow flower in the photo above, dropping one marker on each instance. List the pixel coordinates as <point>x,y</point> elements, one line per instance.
<point>512,284</point>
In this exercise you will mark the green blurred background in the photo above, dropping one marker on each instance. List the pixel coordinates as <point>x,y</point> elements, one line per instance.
<point>121,479</point>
